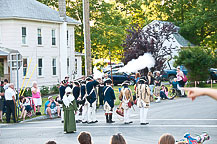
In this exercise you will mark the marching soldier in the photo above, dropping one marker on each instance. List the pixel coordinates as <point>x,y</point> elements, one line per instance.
<point>127,99</point>
<point>91,99</point>
<point>62,88</point>
<point>76,94</point>
<point>143,100</point>
<point>84,101</point>
<point>109,97</point>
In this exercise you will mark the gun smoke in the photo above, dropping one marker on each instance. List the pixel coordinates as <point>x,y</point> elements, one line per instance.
<point>138,64</point>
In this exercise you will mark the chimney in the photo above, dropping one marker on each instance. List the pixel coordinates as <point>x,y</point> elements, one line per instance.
<point>62,9</point>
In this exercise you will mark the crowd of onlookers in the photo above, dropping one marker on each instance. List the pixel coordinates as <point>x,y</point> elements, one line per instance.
<point>85,138</point>
<point>8,103</point>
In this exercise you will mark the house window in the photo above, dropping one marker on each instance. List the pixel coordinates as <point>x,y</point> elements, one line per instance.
<point>23,35</point>
<point>54,66</point>
<point>40,67</point>
<point>68,66</point>
<point>25,63</point>
<point>39,37</point>
<point>67,37</point>
<point>53,37</point>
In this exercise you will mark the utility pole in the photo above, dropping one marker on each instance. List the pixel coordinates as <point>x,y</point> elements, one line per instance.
<point>87,45</point>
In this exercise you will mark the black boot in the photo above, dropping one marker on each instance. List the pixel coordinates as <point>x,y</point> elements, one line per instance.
<point>110,119</point>
<point>107,118</point>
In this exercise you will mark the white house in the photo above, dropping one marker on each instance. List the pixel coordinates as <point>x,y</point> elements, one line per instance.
<point>41,35</point>
<point>176,41</point>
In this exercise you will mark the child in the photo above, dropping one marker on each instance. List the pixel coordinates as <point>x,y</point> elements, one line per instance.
<point>175,83</point>
<point>164,92</point>
<point>25,107</point>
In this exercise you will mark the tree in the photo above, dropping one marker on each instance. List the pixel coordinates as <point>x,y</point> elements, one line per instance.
<point>149,40</point>
<point>198,61</point>
<point>196,18</point>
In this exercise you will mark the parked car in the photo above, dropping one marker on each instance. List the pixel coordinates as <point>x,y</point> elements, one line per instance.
<point>170,74</point>
<point>213,73</point>
<point>120,77</point>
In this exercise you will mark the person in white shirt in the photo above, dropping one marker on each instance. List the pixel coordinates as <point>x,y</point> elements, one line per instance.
<point>10,97</point>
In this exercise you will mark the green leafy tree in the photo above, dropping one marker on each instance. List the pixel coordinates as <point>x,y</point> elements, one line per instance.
<point>198,61</point>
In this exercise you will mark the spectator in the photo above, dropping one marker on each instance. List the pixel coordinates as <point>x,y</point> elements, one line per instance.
<point>1,100</point>
<point>36,95</point>
<point>157,86</point>
<point>166,139</point>
<point>137,77</point>
<point>180,76</point>
<point>6,84</point>
<point>51,142</point>
<point>151,83</point>
<point>164,92</point>
<point>84,138</point>
<point>175,83</point>
<point>25,107</point>
<point>52,107</point>
<point>10,97</point>
<point>117,139</point>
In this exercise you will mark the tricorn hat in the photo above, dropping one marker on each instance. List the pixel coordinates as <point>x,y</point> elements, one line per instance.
<point>125,83</point>
<point>108,81</point>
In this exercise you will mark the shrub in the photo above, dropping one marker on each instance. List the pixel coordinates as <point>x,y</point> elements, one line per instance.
<point>44,90</point>
<point>55,89</point>
<point>198,61</point>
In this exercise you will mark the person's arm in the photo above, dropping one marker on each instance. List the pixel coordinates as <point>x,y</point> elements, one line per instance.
<point>13,97</point>
<point>196,92</point>
<point>34,90</point>
<point>48,105</point>
<point>149,80</point>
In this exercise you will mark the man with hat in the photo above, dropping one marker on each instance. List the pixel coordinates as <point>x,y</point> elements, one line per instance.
<point>127,99</point>
<point>109,97</point>
<point>84,101</point>
<point>91,99</point>
<point>69,108</point>
<point>143,94</point>
<point>76,94</point>
<point>52,107</point>
<point>62,88</point>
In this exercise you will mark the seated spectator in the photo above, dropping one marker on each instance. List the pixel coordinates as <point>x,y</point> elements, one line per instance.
<point>175,83</point>
<point>166,139</point>
<point>52,107</point>
<point>164,92</point>
<point>51,142</point>
<point>84,138</point>
<point>117,139</point>
<point>25,107</point>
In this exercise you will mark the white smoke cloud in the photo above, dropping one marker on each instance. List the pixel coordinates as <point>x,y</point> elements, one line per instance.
<point>137,64</point>
<point>96,73</point>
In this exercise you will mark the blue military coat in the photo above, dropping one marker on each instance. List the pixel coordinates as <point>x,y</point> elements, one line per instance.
<point>91,94</point>
<point>109,95</point>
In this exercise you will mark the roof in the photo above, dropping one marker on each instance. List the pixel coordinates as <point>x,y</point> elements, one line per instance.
<point>6,51</point>
<point>30,9</point>
<point>180,39</point>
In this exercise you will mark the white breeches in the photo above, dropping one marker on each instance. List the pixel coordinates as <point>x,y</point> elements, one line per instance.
<point>91,112</point>
<point>127,115</point>
<point>84,113</point>
<point>77,116</point>
<point>107,108</point>
<point>143,115</point>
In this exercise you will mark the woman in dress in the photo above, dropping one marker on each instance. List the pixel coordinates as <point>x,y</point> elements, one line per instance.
<point>36,95</point>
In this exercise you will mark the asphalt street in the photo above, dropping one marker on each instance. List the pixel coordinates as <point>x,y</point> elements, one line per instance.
<point>177,117</point>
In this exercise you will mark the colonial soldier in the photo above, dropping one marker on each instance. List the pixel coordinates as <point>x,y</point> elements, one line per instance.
<point>127,99</point>
<point>84,101</point>
<point>91,99</point>
<point>143,100</point>
<point>69,108</point>
<point>62,89</point>
<point>76,94</point>
<point>109,97</point>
